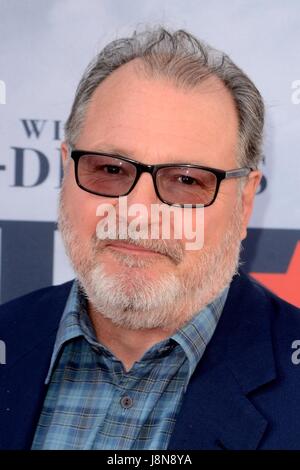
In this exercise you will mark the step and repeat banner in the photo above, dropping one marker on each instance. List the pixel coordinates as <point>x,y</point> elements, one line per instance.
<point>44,48</point>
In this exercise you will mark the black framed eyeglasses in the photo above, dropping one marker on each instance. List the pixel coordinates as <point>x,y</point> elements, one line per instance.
<point>179,184</point>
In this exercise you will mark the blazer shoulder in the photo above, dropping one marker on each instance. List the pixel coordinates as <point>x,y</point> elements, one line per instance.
<point>269,298</point>
<point>276,304</point>
<point>263,308</point>
<point>284,317</point>
<point>35,303</point>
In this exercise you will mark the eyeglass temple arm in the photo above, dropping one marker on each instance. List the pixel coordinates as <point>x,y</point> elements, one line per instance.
<point>238,173</point>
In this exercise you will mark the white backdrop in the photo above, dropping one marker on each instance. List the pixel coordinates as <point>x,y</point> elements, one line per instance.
<point>45,46</point>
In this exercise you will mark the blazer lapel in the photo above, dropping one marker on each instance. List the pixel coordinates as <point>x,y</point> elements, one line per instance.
<point>216,415</point>
<point>217,411</point>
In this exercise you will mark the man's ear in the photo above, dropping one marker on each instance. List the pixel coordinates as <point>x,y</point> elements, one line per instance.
<point>248,194</point>
<point>64,154</point>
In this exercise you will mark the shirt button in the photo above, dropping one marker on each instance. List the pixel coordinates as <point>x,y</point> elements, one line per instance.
<point>126,402</point>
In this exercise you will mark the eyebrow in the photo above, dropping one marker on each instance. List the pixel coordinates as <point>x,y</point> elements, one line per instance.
<point>110,149</point>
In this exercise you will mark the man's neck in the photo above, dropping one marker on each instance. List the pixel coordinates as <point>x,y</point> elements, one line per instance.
<point>126,344</point>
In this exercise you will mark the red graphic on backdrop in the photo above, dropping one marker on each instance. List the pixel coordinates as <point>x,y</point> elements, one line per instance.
<point>285,285</point>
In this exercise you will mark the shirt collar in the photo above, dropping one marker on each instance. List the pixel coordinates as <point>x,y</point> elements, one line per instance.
<point>193,337</point>
<point>69,327</point>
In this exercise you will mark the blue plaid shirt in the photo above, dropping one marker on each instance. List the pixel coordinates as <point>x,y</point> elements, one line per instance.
<point>93,403</point>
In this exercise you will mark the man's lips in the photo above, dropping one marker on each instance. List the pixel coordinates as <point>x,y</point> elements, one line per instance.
<point>127,247</point>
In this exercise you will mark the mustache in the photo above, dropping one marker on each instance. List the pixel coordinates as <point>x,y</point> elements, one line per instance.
<point>174,249</point>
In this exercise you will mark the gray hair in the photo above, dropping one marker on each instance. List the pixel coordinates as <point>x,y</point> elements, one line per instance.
<point>186,61</point>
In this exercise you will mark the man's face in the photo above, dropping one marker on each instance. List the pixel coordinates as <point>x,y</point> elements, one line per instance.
<point>152,121</point>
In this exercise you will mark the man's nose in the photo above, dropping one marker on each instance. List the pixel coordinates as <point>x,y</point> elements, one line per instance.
<point>144,196</point>
<point>144,191</point>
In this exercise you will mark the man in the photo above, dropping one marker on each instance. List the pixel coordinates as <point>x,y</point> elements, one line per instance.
<point>155,346</point>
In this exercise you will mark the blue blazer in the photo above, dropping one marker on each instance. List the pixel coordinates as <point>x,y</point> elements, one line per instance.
<point>244,393</point>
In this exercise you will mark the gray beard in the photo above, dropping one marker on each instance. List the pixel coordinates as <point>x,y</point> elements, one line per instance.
<point>131,300</point>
